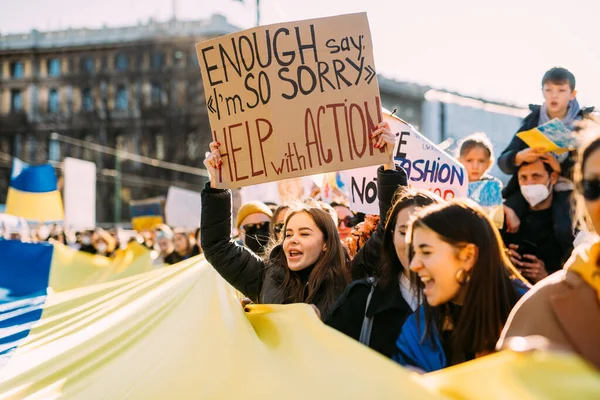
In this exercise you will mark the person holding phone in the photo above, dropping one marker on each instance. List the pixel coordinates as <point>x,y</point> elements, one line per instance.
<point>545,237</point>
<point>565,307</point>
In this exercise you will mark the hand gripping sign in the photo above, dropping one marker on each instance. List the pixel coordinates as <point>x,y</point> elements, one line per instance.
<point>293,99</point>
<point>426,166</point>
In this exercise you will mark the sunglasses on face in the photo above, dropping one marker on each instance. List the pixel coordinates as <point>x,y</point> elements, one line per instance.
<point>590,189</point>
<point>251,229</point>
<point>278,227</point>
<point>349,222</point>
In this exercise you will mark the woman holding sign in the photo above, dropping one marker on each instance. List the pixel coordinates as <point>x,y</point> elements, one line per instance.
<point>309,265</point>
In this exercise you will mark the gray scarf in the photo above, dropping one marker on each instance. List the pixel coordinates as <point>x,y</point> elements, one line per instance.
<point>570,118</point>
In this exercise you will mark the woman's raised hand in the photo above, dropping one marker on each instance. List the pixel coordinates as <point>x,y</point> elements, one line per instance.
<point>384,138</point>
<point>213,162</point>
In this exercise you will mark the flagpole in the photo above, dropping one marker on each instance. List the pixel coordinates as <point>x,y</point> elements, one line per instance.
<point>257,12</point>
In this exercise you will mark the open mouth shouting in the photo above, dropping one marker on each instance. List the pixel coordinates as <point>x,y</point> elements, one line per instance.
<point>294,255</point>
<point>428,282</point>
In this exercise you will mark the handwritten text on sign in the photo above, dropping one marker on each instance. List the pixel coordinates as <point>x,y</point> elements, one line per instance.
<point>292,99</point>
<point>427,167</point>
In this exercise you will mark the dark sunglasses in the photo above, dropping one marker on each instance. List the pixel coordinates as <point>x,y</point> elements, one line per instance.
<point>278,227</point>
<point>590,189</point>
<point>251,229</point>
<point>350,222</point>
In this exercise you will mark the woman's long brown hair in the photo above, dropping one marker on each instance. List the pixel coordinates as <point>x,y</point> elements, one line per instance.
<point>490,294</point>
<point>327,279</point>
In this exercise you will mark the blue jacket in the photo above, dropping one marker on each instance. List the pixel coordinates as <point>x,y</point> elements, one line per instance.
<point>427,353</point>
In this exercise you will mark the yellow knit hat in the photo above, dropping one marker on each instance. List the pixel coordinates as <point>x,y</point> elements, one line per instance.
<point>252,207</point>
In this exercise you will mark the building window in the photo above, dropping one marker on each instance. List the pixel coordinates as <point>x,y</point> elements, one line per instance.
<point>192,146</point>
<point>53,101</point>
<point>53,67</point>
<point>194,59</point>
<point>179,58</point>
<point>156,94</point>
<point>18,147</point>
<point>88,154</point>
<point>160,147</point>
<point>17,70</point>
<point>121,98</point>
<point>16,100</point>
<point>87,100</point>
<point>30,149</point>
<point>158,60</point>
<point>104,63</point>
<point>54,150</point>
<point>88,65</point>
<point>121,62</point>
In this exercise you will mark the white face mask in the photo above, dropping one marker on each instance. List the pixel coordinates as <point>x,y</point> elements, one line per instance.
<point>101,247</point>
<point>535,194</point>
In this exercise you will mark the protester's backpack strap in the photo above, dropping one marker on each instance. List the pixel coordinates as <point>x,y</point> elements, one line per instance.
<point>367,325</point>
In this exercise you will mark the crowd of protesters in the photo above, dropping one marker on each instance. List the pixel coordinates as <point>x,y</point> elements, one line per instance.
<point>432,283</point>
<point>168,246</point>
<point>427,282</point>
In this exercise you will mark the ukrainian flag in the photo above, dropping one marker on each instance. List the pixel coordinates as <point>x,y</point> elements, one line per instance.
<point>33,193</point>
<point>146,214</point>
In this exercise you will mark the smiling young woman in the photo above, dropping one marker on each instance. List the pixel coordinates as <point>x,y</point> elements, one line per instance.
<point>468,283</point>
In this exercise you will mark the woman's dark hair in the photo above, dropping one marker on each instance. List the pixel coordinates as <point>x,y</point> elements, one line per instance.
<point>489,295</point>
<point>329,275</point>
<point>391,267</point>
<point>274,219</point>
<point>591,143</point>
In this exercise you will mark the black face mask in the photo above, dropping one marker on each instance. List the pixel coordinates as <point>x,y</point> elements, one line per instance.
<point>257,236</point>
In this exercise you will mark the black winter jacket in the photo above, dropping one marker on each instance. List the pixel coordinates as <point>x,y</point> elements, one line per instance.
<point>387,307</point>
<point>246,271</point>
<point>555,245</point>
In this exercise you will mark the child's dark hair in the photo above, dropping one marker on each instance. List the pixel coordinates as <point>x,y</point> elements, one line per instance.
<point>558,76</point>
<point>477,139</point>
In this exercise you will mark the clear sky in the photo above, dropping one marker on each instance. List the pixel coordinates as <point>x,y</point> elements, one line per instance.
<point>498,50</point>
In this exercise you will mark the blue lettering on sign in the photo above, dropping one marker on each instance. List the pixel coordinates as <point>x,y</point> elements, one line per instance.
<point>432,171</point>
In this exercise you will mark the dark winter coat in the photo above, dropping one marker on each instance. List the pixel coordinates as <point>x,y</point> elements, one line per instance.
<point>387,307</point>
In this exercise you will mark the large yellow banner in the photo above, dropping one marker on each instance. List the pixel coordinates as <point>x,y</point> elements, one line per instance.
<point>179,332</point>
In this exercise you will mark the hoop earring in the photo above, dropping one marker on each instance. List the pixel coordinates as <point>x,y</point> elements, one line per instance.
<point>462,276</point>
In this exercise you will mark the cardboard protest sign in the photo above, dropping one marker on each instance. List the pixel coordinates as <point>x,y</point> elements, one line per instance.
<point>183,208</point>
<point>553,136</point>
<point>292,99</point>
<point>488,194</point>
<point>280,192</point>
<point>79,194</point>
<point>426,166</point>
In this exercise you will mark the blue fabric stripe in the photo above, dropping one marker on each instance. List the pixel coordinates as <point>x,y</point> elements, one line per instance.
<point>24,276</point>
<point>33,179</point>
<point>146,210</point>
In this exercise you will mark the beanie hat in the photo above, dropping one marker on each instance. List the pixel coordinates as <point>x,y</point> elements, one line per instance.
<point>252,207</point>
